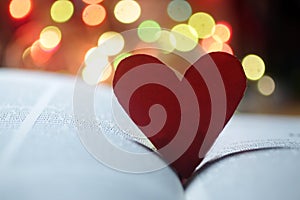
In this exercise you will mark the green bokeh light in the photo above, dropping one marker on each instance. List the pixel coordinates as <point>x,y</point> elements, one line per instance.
<point>179,10</point>
<point>149,31</point>
<point>119,58</point>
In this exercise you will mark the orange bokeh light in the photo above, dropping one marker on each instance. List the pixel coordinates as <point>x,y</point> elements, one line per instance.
<point>92,1</point>
<point>20,8</point>
<point>226,48</point>
<point>38,55</point>
<point>93,15</point>
<point>222,32</point>
<point>211,45</point>
<point>207,42</point>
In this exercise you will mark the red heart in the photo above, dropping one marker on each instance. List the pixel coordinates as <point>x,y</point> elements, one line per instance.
<point>213,86</point>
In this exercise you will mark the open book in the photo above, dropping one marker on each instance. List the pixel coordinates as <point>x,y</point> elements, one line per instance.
<point>41,156</point>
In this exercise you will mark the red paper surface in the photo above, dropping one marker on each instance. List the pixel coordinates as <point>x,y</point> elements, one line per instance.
<point>138,103</point>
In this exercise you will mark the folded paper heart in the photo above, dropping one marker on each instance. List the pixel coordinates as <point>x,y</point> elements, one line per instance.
<point>182,118</point>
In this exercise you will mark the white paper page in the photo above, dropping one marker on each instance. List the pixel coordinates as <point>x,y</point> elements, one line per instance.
<point>267,173</point>
<point>41,156</point>
<point>249,132</point>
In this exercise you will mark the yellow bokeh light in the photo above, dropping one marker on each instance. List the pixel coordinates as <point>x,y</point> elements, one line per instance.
<point>127,11</point>
<point>111,43</point>
<point>266,85</point>
<point>20,8</point>
<point>119,58</point>
<point>222,33</point>
<point>61,11</point>
<point>212,45</point>
<point>50,37</point>
<point>90,76</point>
<point>254,67</point>
<point>93,15</point>
<point>95,64</point>
<point>89,52</point>
<point>26,53</point>
<point>93,75</point>
<point>92,1</point>
<point>166,42</point>
<point>203,23</point>
<point>106,73</point>
<point>215,46</point>
<point>185,36</point>
<point>149,31</point>
<point>179,10</point>
<point>94,57</point>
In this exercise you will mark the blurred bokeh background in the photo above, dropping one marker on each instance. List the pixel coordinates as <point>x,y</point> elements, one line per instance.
<point>63,36</point>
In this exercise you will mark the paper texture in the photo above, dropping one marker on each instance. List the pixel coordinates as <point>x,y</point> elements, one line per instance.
<point>251,132</point>
<point>271,172</point>
<point>41,156</point>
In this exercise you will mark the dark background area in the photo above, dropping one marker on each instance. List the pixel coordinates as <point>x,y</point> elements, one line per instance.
<point>268,28</point>
<point>271,28</point>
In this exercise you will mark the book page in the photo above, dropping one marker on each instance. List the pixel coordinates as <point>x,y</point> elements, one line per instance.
<point>256,157</point>
<point>252,132</point>
<point>41,156</point>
